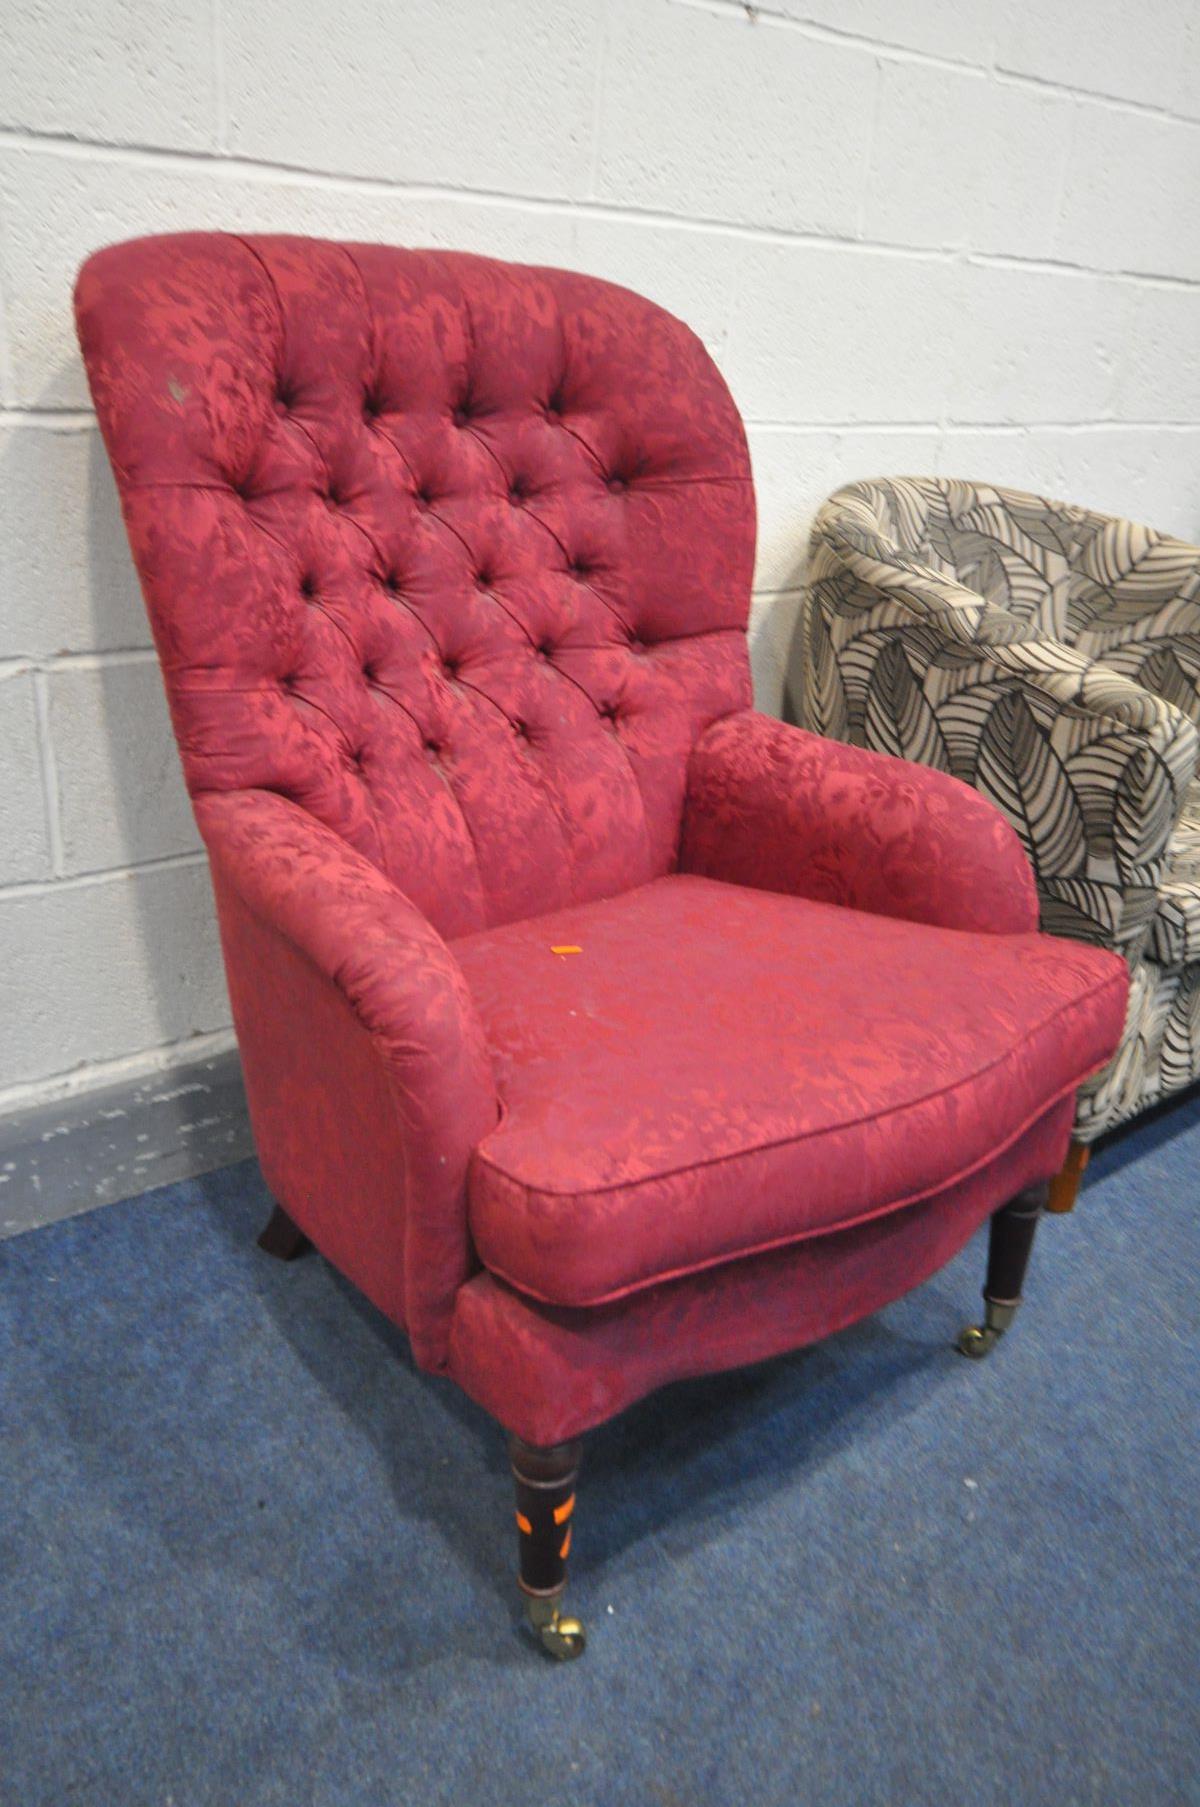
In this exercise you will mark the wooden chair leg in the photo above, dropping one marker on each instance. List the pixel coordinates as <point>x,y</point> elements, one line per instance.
<point>545,1483</point>
<point>1010,1239</point>
<point>1064,1187</point>
<point>281,1238</point>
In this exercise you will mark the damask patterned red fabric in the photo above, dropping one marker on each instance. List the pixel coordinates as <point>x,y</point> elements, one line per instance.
<point>550,1373</point>
<point>448,567</point>
<point>366,1066</point>
<point>783,810</point>
<point>455,556</point>
<point>721,1070</point>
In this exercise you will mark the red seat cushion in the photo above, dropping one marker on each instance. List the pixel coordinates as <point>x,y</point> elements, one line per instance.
<point>720,1070</point>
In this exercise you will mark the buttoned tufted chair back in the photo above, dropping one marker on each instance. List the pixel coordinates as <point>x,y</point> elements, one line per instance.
<point>454,554</point>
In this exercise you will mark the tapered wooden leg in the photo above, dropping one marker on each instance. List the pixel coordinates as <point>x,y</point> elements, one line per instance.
<point>1064,1187</point>
<point>545,1483</point>
<point>1010,1239</point>
<point>281,1238</point>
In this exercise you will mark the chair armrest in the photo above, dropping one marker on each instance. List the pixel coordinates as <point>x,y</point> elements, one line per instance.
<point>1090,768</point>
<point>333,970</point>
<point>779,809</point>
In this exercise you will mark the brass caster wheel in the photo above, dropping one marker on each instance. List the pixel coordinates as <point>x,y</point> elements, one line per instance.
<point>562,1638</point>
<point>978,1340</point>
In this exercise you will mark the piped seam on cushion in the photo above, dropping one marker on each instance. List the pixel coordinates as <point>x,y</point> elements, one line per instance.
<point>481,1155</point>
<point>778,1242</point>
<point>616,1294</point>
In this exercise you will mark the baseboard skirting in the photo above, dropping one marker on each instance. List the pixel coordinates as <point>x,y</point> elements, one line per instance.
<point>100,1146</point>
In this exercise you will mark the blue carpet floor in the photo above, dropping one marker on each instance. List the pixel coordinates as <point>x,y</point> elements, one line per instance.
<point>248,1555</point>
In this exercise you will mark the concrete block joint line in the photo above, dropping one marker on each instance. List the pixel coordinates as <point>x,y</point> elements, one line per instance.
<point>949,240</point>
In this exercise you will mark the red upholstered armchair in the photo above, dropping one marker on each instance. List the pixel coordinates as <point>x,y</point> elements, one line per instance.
<point>601,1030</point>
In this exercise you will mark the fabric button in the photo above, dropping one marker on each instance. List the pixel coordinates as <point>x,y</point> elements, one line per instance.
<point>616,485</point>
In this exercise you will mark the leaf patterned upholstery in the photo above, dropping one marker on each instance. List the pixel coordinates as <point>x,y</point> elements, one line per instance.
<point>1049,656</point>
<point>1175,932</point>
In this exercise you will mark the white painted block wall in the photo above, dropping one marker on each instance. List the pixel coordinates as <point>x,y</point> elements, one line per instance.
<point>918,235</point>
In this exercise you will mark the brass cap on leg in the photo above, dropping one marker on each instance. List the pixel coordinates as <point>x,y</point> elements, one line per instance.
<point>978,1340</point>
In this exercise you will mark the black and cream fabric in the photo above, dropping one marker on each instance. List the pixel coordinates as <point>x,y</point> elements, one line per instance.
<point>1050,657</point>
